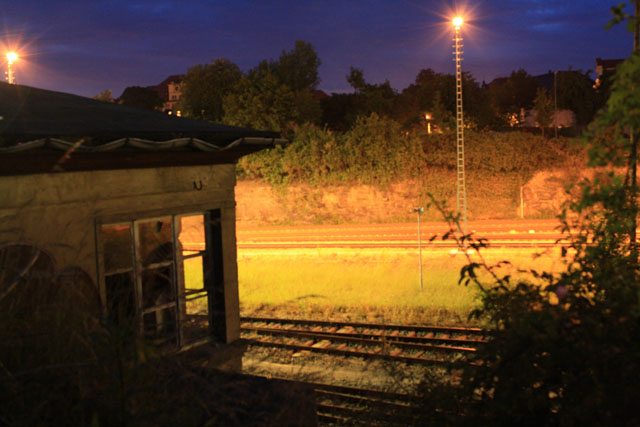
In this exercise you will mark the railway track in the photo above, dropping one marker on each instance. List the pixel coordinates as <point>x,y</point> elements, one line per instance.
<point>426,345</point>
<point>397,245</point>
<point>339,405</point>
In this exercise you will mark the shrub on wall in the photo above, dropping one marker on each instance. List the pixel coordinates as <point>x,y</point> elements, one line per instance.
<point>376,150</point>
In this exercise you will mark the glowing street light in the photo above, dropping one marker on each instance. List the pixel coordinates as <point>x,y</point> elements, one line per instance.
<point>461,192</point>
<point>11,58</point>
<point>427,117</point>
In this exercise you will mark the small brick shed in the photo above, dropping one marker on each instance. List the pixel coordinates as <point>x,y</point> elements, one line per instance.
<point>134,206</point>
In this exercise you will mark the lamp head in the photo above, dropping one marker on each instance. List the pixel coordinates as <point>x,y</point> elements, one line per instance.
<point>11,57</point>
<point>457,22</point>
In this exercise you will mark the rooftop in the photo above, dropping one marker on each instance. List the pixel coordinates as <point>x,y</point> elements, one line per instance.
<point>101,135</point>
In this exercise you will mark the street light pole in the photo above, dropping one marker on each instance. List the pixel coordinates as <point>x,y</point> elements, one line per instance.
<point>555,102</point>
<point>634,141</point>
<point>461,192</point>
<point>419,211</point>
<point>11,58</point>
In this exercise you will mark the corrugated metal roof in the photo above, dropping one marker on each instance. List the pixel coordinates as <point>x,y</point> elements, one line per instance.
<point>39,127</point>
<point>29,113</point>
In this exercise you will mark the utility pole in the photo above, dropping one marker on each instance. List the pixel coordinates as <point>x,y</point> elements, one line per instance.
<point>636,27</point>
<point>419,211</point>
<point>461,192</point>
<point>555,102</point>
<point>634,140</point>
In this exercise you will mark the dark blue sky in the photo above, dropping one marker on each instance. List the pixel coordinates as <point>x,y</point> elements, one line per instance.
<point>86,46</point>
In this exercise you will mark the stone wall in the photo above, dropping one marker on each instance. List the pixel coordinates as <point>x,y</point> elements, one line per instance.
<point>495,197</point>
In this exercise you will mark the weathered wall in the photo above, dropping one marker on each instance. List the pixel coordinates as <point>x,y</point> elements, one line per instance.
<point>488,197</point>
<point>58,212</point>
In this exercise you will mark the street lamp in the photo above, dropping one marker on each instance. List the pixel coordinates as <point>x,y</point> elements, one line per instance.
<point>419,211</point>
<point>11,58</point>
<point>427,117</point>
<point>461,193</point>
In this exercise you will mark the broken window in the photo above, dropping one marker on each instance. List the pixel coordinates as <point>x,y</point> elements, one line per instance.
<point>159,277</point>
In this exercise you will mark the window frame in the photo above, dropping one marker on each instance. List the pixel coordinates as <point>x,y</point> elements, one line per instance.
<point>181,295</point>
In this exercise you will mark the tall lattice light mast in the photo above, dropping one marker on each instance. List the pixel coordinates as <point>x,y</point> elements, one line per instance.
<point>11,58</point>
<point>461,192</point>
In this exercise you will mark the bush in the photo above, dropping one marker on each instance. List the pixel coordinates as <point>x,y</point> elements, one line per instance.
<point>377,151</point>
<point>564,348</point>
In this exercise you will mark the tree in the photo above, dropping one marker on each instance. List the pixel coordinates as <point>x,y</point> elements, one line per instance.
<point>420,96</point>
<point>141,97</point>
<point>105,95</point>
<point>298,70</point>
<point>564,348</point>
<point>441,116</point>
<point>370,98</point>
<point>510,94</point>
<point>261,102</point>
<point>339,111</point>
<point>544,109</point>
<point>576,93</point>
<point>205,86</point>
<point>356,79</point>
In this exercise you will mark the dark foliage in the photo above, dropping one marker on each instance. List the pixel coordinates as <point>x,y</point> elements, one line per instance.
<point>141,97</point>
<point>564,347</point>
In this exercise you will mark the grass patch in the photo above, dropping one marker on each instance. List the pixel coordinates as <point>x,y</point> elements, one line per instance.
<point>379,285</point>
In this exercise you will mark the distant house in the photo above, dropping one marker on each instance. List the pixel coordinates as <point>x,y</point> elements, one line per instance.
<point>319,95</point>
<point>170,90</point>
<point>133,210</point>
<point>605,67</point>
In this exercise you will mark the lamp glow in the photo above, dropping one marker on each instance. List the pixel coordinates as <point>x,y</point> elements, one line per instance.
<point>12,57</point>
<point>457,22</point>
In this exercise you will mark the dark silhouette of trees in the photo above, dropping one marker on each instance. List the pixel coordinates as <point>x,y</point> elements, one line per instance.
<point>205,86</point>
<point>140,97</point>
<point>576,93</point>
<point>510,94</point>
<point>544,108</point>
<point>105,95</point>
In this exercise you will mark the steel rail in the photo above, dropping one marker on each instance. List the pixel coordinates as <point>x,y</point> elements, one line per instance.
<point>359,341</point>
<point>354,353</point>
<point>391,326</point>
<point>380,337</point>
<point>361,415</point>
<point>369,407</point>
<point>364,392</point>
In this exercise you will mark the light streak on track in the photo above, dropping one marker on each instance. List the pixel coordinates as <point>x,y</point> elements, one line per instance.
<point>512,233</point>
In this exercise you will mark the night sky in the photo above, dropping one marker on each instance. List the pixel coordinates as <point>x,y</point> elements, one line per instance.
<point>87,46</point>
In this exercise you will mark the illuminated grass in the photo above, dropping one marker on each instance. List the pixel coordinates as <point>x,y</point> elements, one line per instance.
<point>373,285</point>
<point>377,285</point>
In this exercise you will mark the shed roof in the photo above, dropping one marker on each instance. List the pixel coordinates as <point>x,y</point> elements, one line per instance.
<point>38,127</point>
